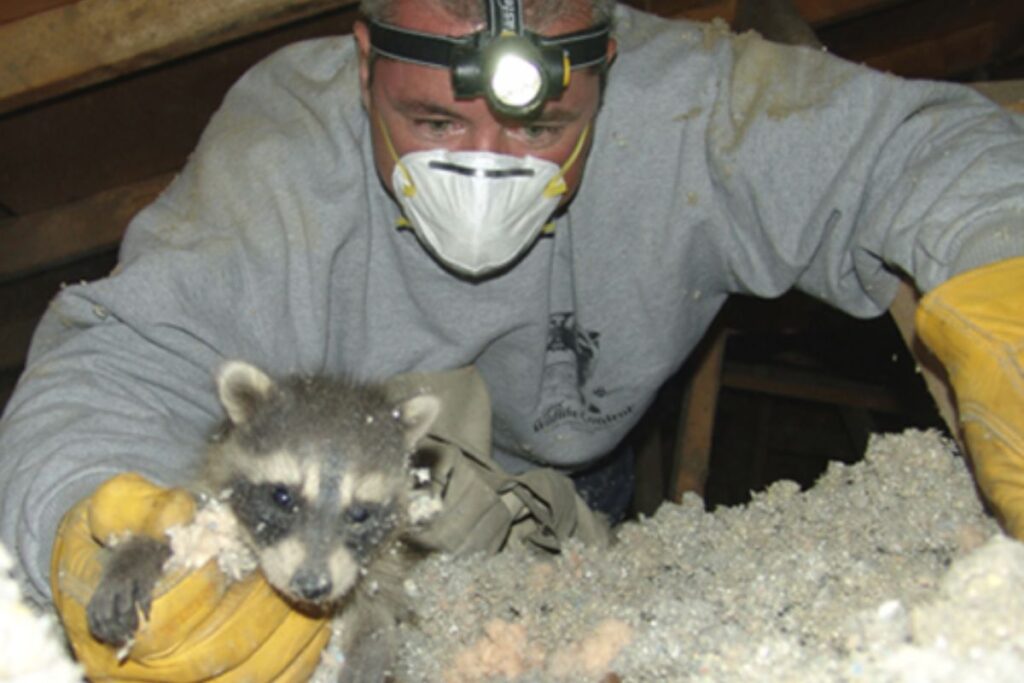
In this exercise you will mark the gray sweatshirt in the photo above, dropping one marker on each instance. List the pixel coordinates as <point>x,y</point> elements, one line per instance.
<point>719,165</point>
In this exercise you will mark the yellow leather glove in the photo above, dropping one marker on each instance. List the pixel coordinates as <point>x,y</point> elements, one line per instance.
<point>201,627</point>
<point>974,323</point>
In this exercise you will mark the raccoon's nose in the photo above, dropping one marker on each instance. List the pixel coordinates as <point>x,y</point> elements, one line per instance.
<point>311,584</point>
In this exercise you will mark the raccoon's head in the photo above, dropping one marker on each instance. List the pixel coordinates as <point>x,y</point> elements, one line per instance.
<point>317,472</point>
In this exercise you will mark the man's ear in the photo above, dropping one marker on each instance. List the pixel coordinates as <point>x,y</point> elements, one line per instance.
<point>361,32</point>
<point>613,48</point>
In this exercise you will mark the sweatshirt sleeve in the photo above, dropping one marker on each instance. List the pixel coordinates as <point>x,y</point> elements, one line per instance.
<point>836,178</point>
<point>229,262</point>
<point>758,167</point>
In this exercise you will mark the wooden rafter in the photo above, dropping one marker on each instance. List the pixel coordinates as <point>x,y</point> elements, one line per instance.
<point>68,47</point>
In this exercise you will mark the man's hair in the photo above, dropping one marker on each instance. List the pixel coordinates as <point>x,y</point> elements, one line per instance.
<point>539,13</point>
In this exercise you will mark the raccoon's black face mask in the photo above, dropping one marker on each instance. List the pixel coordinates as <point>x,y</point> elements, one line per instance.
<point>318,474</point>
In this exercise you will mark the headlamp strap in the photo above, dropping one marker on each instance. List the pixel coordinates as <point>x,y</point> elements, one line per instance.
<point>584,48</point>
<point>505,17</point>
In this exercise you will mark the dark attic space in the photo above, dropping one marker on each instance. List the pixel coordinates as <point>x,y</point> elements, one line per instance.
<point>802,511</point>
<point>90,135</point>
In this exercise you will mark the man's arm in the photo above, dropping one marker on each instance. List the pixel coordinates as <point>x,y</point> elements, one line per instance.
<point>231,261</point>
<point>118,379</point>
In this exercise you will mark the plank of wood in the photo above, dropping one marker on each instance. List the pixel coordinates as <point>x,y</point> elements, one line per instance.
<point>930,38</point>
<point>19,9</point>
<point>691,452</point>
<point>809,386</point>
<point>815,12</point>
<point>44,240</point>
<point>957,52</point>
<point>902,310</point>
<point>1010,94</point>
<point>819,12</point>
<point>69,47</point>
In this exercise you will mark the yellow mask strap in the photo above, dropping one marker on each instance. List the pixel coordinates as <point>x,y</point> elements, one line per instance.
<point>557,185</point>
<point>408,189</point>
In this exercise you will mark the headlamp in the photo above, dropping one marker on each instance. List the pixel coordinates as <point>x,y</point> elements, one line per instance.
<point>515,69</point>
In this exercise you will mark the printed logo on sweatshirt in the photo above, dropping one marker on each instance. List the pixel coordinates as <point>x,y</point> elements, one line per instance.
<point>566,393</point>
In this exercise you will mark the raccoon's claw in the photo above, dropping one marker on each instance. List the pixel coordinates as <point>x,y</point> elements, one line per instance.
<point>113,612</point>
<point>126,589</point>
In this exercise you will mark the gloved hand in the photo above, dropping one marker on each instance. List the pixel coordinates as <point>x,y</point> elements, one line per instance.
<point>202,626</point>
<point>974,323</point>
<point>483,506</point>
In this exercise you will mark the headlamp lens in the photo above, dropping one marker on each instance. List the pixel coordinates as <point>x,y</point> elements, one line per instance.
<point>516,81</point>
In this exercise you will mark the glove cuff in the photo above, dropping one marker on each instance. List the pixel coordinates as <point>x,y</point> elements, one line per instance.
<point>974,324</point>
<point>130,504</point>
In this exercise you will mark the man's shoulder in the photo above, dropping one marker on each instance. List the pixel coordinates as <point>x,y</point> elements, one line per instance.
<point>639,33</point>
<point>317,58</point>
<point>297,95</point>
<point>313,72</point>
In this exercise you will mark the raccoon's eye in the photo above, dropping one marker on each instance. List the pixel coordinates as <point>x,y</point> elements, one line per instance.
<point>282,498</point>
<point>358,513</point>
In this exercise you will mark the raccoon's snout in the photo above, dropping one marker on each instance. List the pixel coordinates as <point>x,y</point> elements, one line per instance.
<point>311,585</point>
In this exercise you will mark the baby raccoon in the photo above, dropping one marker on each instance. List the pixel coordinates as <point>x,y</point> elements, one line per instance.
<point>317,472</point>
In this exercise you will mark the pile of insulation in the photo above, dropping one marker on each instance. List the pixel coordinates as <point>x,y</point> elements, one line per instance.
<point>885,570</point>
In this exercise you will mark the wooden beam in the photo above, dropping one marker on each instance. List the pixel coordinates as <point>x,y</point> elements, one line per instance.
<point>929,38</point>
<point>91,41</point>
<point>44,240</point>
<point>958,52</point>
<point>809,386</point>
<point>1010,94</point>
<point>902,310</point>
<point>12,10</point>
<point>820,12</point>
<point>691,452</point>
<point>815,12</point>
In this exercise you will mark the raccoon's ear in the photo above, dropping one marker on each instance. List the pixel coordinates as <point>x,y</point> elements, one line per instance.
<point>417,415</point>
<point>242,388</point>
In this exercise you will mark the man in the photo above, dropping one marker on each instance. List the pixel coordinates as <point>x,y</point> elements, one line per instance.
<point>314,229</point>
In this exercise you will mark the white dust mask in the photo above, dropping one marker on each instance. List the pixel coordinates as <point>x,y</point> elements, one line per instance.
<point>476,212</point>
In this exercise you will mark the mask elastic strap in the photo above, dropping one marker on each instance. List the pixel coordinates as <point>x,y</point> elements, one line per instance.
<point>409,189</point>
<point>557,185</point>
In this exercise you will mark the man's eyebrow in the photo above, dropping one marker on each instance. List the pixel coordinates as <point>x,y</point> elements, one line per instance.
<point>557,115</point>
<point>424,108</point>
<point>416,107</point>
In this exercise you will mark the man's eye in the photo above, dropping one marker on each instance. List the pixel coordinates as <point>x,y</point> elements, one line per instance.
<point>541,133</point>
<point>435,126</point>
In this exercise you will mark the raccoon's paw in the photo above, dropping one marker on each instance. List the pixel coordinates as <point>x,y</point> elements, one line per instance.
<point>126,589</point>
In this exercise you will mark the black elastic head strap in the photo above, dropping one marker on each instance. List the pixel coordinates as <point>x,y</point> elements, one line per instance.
<point>514,69</point>
<point>588,47</point>
<point>505,16</point>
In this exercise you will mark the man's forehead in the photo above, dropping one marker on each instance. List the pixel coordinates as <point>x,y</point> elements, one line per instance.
<point>432,16</point>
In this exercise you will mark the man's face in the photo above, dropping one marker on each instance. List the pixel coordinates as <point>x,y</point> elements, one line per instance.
<point>420,111</point>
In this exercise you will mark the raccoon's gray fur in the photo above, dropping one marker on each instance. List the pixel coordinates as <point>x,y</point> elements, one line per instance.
<point>317,472</point>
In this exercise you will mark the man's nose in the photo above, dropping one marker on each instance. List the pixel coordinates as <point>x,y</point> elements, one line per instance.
<point>492,139</point>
